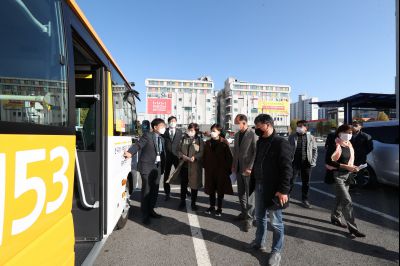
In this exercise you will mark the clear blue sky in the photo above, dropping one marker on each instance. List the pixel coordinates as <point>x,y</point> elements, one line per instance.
<point>326,49</point>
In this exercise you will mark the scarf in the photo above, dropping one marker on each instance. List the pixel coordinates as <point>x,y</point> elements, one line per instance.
<point>338,152</point>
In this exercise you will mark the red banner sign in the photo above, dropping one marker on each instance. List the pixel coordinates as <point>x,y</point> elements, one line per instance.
<point>159,106</point>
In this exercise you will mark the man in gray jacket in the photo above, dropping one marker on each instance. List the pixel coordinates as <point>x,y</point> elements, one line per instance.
<point>304,148</point>
<point>244,153</point>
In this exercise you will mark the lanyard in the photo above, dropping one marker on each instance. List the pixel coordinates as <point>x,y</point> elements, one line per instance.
<point>156,143</point>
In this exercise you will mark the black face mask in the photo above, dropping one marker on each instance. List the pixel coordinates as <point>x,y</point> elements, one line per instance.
<point>259,132</point>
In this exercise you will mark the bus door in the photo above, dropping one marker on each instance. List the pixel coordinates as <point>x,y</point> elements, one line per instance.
<point>88,173</point>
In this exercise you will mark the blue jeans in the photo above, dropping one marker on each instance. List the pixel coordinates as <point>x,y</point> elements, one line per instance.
<point>275,217</point>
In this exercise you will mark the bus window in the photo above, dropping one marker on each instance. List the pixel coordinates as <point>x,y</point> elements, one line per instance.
<point>85,112</point>
<point>124,112</point>
<point>32,37</point>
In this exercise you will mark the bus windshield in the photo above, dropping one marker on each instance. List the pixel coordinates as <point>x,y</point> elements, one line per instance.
<point>36,93</point>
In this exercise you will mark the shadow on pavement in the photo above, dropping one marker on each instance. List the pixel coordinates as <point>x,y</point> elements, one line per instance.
<point>305,217</point>
<point>331,237</point>
<point>329,203</point>
<point>171,226</point>
<point>348,244</point>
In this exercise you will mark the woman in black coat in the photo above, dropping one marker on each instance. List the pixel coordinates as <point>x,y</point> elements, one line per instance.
<point>217,163</point>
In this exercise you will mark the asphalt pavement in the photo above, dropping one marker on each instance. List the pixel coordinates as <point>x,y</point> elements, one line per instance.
<point>195,238</point>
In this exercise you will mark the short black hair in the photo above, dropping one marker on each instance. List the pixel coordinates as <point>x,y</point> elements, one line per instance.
<point>343,128</point>
<point>357,123</point>
<point>264,119</point>
<point>195,126</point>
<point>156,122</point>
<point>241,117</point>
<point>217,127</point>
<point>303,122</point>
<point>171,117</point>
<point>146,123</point>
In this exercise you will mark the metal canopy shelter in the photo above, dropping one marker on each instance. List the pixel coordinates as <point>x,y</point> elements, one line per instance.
<point>361,100</point>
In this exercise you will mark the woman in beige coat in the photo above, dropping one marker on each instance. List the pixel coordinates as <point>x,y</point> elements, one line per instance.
<point>190,153</point>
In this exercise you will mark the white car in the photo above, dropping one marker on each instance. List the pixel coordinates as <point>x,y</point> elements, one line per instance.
<point>383,160</point>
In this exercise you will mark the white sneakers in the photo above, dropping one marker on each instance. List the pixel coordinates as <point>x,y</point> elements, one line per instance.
<point>274,259</point>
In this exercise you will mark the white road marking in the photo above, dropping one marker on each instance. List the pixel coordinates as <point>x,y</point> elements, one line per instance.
<point>387,216</point>
<point>203,259</point>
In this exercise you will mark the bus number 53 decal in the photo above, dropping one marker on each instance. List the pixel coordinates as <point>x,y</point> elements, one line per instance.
<point>24,183</point>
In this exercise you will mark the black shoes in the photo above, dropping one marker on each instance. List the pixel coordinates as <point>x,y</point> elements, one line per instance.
<point>356,233</point>
<point>337,222</point>
<point>194,207</point>
<point>155,215</point>
<point>210,210</point>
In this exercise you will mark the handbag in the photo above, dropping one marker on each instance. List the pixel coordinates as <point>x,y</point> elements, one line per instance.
<point>351,180</point>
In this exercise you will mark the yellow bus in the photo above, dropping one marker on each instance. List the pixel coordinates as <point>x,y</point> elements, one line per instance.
<point>66,115</point>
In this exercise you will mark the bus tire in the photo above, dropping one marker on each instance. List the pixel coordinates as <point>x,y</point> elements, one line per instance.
<point>125,213</point>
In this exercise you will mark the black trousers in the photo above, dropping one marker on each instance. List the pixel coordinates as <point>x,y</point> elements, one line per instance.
<point>213,200</point>
<point>170,161</point>
<point>150,187</point>
<point>184,186</point>
<point>304,170</point>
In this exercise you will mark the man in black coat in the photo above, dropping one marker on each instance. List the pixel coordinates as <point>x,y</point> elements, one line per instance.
<point>172,137</point>
<point>151,166</point>
<point>330,139</point>
<point>362,144</point>
<point>272,171</point>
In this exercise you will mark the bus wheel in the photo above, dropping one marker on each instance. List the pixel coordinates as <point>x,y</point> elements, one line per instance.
<point>125,212</point>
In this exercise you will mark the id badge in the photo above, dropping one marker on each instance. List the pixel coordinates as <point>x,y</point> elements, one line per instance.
<point>158,159</point>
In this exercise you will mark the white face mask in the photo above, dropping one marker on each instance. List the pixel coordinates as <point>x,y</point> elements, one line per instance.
<point>161,130</point>
<point>191,134</point>
<point>172,125</point>
<point>300,130</point>
<point>236,127</point>
<point>345,136</point>
<point>214,134</point>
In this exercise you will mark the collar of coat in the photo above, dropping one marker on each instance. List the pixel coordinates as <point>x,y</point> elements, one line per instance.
<point>221,139</point>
